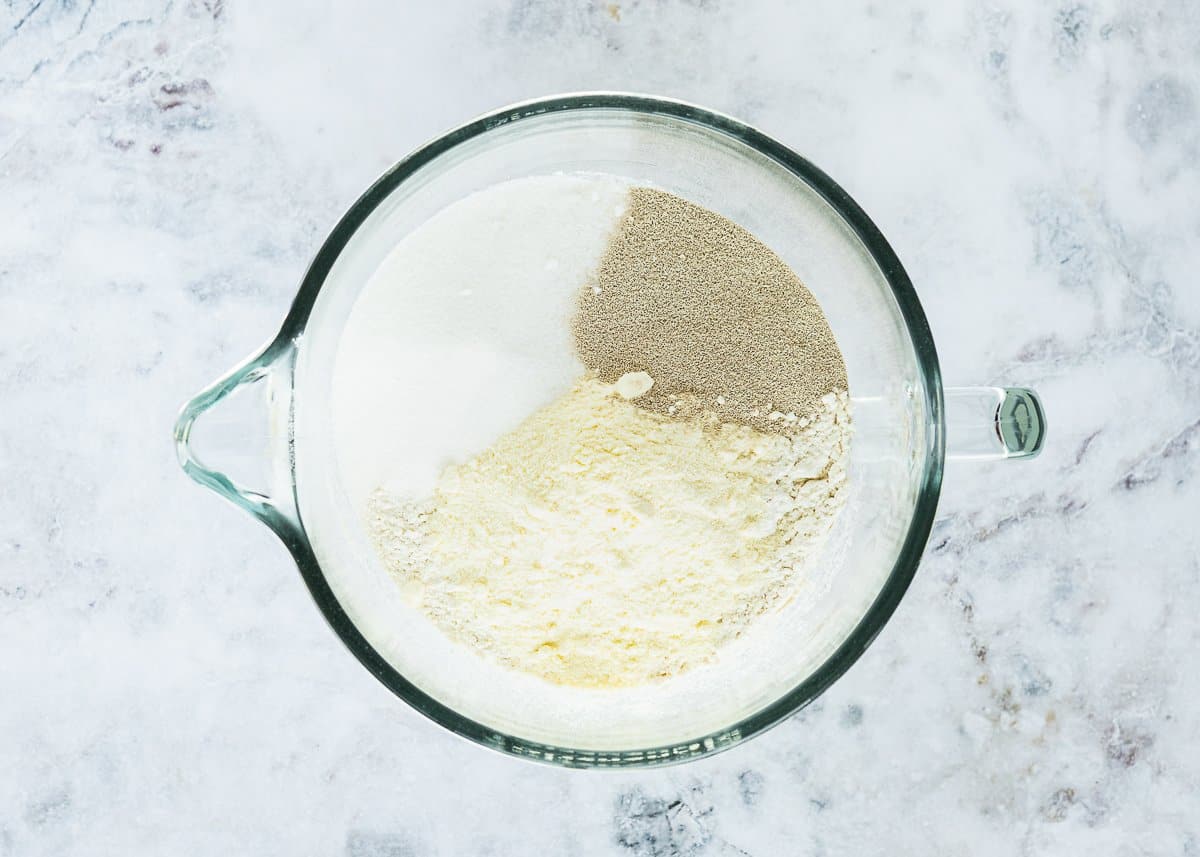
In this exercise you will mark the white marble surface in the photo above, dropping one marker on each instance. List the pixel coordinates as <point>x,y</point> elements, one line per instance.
<point>166,171</point>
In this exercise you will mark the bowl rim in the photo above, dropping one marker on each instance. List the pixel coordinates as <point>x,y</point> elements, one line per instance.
<point>929,376</point>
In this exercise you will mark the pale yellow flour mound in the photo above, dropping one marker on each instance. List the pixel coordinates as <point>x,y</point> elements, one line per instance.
<point>602,544</point>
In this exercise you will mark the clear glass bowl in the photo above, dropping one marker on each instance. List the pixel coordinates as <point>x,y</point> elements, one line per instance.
<point>274,426</point>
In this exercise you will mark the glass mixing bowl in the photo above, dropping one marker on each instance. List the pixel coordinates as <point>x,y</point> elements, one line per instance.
<point>274,429</point>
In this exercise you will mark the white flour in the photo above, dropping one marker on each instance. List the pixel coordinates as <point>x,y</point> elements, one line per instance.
<point>600,544</point>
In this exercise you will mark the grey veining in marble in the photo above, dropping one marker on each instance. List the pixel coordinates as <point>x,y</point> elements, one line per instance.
<point>167,168</point>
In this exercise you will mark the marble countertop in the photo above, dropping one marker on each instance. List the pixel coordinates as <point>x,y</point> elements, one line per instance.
<point>167,169</point>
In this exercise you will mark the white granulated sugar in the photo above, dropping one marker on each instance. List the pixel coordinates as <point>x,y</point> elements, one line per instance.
<point>460,333</point>
<point>600,544</point>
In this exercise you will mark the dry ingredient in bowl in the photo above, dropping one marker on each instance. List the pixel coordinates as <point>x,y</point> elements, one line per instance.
<point>602,544</point>
<point>709,310</point>
<point>682,488</point>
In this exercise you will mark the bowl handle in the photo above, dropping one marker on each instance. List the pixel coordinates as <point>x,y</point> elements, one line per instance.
<point>993,422</point>
<point>252,430</point>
